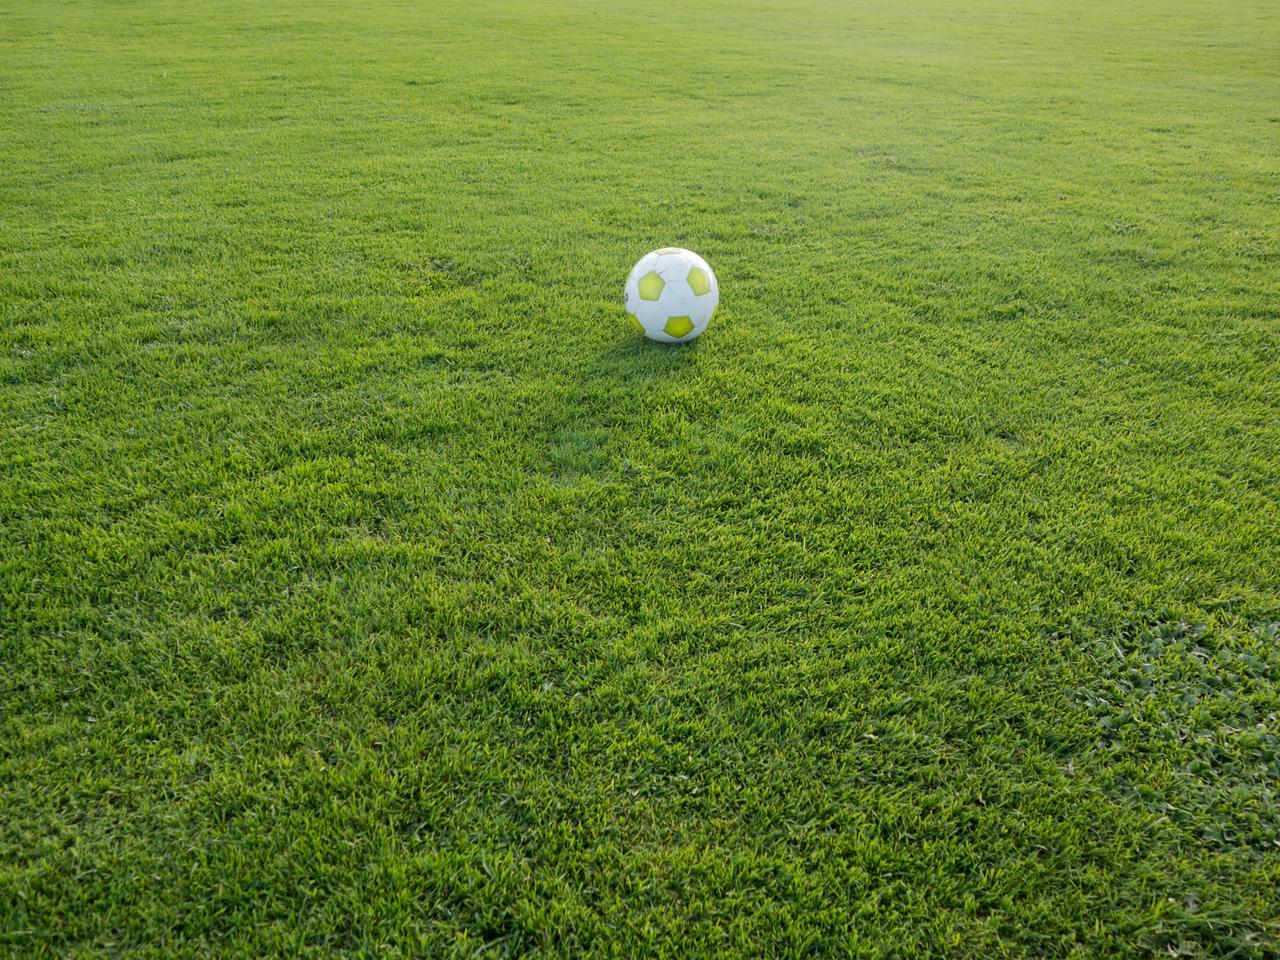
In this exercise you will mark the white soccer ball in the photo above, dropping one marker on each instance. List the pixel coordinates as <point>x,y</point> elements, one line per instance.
<point>671,295</point>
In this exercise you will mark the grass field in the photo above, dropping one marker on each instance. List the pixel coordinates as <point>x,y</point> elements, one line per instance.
<point>368,586</point>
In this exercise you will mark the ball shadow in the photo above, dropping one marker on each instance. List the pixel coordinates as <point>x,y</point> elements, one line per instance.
<point>633,358</point>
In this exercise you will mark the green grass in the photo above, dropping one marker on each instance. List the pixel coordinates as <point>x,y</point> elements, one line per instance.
<point>366,585</point>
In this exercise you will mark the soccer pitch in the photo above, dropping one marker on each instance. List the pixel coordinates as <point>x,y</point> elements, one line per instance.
<point>369,585</point>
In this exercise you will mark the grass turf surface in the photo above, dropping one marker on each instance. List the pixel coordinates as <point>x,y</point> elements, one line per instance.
<point>367,585</point>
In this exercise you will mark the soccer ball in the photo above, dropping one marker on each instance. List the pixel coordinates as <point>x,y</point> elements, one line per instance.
<point>671,295</point>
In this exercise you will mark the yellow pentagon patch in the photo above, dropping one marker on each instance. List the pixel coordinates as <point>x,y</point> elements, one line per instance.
<point>635,322</point>
<point>677,326</point>
<point>651,286</point>
<point>699,281</point>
